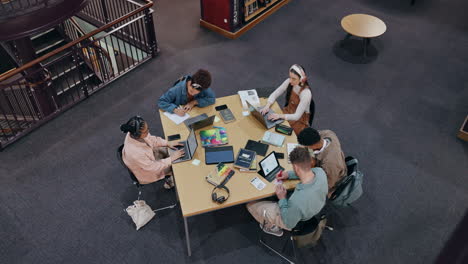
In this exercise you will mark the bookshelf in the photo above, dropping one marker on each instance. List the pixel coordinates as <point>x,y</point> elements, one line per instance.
<point>232,18</point>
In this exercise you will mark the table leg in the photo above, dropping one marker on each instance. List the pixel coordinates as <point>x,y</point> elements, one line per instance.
<point>189,251</point>
<point>366,43</point>
<point>345,38</point>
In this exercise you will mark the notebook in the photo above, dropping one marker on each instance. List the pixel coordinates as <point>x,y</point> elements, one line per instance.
<point>220,174</point>
<point>260,148</point>
<point>216,136</point>
<point>273,138</point>
<point>244,158</point>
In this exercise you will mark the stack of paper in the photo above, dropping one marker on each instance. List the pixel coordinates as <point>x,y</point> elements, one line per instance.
<point>176,118</point>
<point>291,147</point>
<point>251,96</point>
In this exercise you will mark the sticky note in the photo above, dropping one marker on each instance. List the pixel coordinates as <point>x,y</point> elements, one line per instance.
<point>196,162</point>
<point>257,183</point>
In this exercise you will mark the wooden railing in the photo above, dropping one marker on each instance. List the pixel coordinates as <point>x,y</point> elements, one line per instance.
<point>43,88</point>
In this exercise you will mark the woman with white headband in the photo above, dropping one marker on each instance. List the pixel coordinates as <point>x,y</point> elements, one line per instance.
<point>299,96</point>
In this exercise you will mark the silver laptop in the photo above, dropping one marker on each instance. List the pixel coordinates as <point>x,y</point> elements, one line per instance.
<point>189,122</point>
<point>189,146</point>
<point>203,123</point>
<point>255,111</point>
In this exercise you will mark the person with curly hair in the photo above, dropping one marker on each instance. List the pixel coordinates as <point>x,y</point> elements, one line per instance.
<point>187,92</point>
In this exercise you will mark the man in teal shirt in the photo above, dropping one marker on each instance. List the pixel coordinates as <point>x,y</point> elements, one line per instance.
<point>305,202</point>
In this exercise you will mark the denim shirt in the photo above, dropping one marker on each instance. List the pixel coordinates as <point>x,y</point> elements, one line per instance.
<point>177,95</point>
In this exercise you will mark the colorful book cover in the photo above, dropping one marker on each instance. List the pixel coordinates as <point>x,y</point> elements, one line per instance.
<point>219,174</point>
<point>213,137</point>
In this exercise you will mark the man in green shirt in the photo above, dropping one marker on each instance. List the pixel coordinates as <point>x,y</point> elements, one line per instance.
<point>305,202</point>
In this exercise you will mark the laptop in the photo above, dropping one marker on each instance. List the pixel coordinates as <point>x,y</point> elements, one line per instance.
<point>203,123</point>
<point>194,119</point>
<point>215,155</point>
<point>269,167</point>
<point>255,111</point>
<point>189,146</point>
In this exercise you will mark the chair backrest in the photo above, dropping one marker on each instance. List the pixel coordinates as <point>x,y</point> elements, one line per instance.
<point>307,226</point>
<point>119,157</point>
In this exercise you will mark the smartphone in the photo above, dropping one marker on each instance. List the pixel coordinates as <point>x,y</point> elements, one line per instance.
<point>220,107</point>
<point>279,155</point>
<point>173,137</point>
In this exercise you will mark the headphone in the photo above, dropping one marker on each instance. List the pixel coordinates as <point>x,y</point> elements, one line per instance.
<point>299,70</point>
<point>220,199</point>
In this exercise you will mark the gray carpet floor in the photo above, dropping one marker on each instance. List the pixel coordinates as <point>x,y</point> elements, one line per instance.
<point>62,190</point>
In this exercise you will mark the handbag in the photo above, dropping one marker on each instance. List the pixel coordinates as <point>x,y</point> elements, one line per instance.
<point>140,212</point>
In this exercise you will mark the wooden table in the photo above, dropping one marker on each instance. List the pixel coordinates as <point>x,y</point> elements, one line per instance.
<point>364,26</point>
<point>194,192</point>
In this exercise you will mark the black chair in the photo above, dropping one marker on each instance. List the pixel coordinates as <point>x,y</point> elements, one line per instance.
<point>135,181</point>
<point>301,229</point>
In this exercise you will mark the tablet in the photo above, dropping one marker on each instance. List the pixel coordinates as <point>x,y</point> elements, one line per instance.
<point>215,155</point>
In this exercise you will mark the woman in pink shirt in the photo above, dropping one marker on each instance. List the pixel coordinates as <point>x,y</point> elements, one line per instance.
<point>146,155</point>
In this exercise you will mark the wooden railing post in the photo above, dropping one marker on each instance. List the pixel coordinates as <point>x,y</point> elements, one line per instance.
<point>153,45</point>
<point>36,77</point>
<point>104,11</point>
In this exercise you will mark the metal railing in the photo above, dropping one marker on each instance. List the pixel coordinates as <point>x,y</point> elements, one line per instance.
<point>43,88</point>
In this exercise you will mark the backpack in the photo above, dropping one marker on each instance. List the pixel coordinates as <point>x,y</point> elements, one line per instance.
<point>348,189</point>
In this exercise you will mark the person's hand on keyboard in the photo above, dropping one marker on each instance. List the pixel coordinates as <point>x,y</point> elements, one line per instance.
<point>174,145</point>
<point>265,110</point>
<point>177,154</point>
<point>274,117</point>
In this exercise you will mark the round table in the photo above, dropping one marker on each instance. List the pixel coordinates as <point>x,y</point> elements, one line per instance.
<point>363,26</point>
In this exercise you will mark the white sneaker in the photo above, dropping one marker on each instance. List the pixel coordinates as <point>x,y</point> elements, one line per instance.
<point>274,230</point>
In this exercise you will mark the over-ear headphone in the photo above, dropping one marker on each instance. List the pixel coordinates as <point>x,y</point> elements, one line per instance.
<point>299,70</point>
<point>220,199</point>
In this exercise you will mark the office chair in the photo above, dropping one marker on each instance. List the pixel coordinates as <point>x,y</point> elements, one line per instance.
<point>135,181</point>
<point>301,229</point>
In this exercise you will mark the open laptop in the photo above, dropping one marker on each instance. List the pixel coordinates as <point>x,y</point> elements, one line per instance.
<point>255,111</point>
<point>189,122</point>
<point>269,166</point>
<point>203,123</point>
<point>190,146</point>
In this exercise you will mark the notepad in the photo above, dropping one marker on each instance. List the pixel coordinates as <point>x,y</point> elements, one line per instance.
<point>273,139</point>
<point>291,147</point>
<point>176,118</point>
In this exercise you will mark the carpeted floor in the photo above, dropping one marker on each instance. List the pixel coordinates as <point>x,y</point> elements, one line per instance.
<point>62,190</point>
